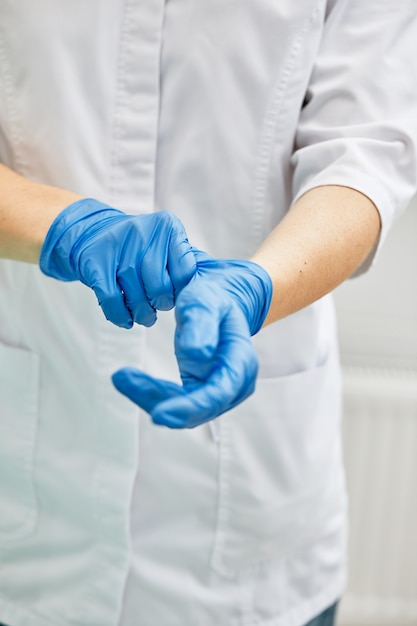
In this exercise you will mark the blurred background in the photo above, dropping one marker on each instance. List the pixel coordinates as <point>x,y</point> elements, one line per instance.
<point>378,334</point>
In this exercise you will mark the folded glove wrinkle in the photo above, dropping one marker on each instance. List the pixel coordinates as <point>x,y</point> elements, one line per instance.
<point>134,295</point>
<point>136,264</point>
<point>245,279</point>
<point>155,278</point>
<point>216,313</point>
<point>198,323</point>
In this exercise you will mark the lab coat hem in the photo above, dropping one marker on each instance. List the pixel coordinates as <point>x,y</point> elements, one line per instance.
<point>18,616</point>
<point>301,615</point>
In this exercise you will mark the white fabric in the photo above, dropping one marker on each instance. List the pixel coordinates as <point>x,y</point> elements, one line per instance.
<point>197,107</point>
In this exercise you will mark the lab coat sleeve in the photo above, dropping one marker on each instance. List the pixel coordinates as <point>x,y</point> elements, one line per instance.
<point>358,126</point>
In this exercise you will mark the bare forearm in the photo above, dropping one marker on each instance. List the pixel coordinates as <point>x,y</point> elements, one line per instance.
<point>27,209</point>
<point>322,240</point>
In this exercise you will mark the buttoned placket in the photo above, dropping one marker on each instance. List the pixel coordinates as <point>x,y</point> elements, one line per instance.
<point>132,189</point>
<point>137,107</point>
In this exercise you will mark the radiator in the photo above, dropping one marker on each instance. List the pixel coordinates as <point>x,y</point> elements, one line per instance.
<point>380,439</point>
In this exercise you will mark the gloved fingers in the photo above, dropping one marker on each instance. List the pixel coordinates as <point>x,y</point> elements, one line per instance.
<point>165,273</point>
<point>156,281</point>
<point>147,392</point>
<point>114,307</point>
<point>144,390</point>
<point>217,361</point>
<point>102,279</point>
<point>166,269</point>
<point>181,262</point>
<point>199,313</point>
<point>167,263</point>
<point>135,296</point>
<point>159,398</point>
<point>173,244</point>
<point>232,379</point>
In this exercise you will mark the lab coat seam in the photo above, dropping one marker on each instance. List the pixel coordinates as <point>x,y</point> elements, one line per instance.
<point>36,373</point>
<point>334,508</point>
<point>105,558</point>
<point>105,553</point>
<point>271,122</point>
<point>137,104</point>
<point>360,178</point>
<point>119,101</point>
<point>158,120</point>
<point>114,553</point>
<point>14,120</point>
<point>99,486</point>
<point>26,454</point>
<point>222,498</point>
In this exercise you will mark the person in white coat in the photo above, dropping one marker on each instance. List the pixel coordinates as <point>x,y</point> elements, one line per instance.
<point>229,164</point>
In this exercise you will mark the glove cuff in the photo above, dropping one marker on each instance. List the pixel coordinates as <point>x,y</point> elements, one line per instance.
<point>261,294</point>
<point>247,281</point>
<point>56,258</point>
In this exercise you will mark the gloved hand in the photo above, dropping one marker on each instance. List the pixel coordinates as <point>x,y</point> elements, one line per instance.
<point>216,314</point>
<point>134,263</point>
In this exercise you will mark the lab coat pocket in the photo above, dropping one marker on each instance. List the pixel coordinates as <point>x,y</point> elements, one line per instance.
<point>280,479</point>
<point>19,394</point>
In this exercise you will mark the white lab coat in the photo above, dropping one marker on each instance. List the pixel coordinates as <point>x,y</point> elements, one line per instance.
<point>222,112</point>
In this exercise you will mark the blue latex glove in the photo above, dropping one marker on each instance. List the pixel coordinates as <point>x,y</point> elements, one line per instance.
<point>216,314</point>
<point>134,263</point>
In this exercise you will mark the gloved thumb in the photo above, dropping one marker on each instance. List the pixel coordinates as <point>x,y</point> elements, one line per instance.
<point>144,390</point>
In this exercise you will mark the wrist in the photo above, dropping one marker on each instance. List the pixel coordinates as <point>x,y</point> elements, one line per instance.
<point>67,233</point>
<point>248,281</point>
<point>27,209</point>
<point>261,288</point>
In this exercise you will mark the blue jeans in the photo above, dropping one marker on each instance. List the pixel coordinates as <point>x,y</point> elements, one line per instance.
<point>327,618</point>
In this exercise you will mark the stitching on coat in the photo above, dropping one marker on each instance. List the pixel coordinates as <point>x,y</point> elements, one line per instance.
<point>120,99</point>
<point>15,126</point>
<point>223,495</point>
<point>270,124</point>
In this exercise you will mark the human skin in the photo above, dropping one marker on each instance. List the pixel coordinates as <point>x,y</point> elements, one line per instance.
<point>27,210</point>
<point>321,241</point>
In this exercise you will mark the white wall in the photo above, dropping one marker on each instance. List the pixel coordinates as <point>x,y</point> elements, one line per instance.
<point>378,334</point>
<point>378,311</point>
